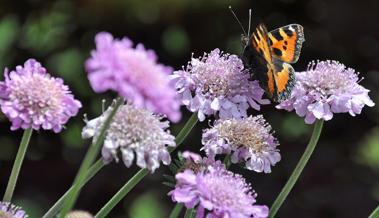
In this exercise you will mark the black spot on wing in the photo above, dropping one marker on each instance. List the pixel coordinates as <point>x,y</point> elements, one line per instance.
<point>284,47</point>
<point>288,32</point>
<point>277,35</point>
<point>285,42</point>
<point>270,41</point>
<point>260,51</point>
<point>277,52</point>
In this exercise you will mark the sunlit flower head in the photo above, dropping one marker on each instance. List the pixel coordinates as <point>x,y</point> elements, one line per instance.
<point>217,193</point>
<point>327,87</point>
<point>249,140</point>
<point>217,83</point>
<point>31,98</point>
<point>134,73</point>
<point>8,210</point>
<point>133,132</point>
<point>79,214</point>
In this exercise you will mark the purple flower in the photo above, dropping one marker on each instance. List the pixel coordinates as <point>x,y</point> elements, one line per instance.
<point>327,87</point>
<point>133,131</point>
<point>31,98</point>
<point>218,83</point>
<point>8,210</point>
<point>249,140</point>
<point>218,193</point>
<point>134,73</point>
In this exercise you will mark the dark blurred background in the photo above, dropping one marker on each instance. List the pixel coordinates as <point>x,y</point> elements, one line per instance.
<point>342,178</point>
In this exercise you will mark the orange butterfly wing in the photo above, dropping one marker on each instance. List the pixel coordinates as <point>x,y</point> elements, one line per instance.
<point>284,80</point>
<point>279,48</point>
<point>286,42</point>
<point>259,40</point>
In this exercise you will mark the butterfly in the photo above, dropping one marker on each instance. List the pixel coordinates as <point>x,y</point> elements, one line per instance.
<point>269,55</point>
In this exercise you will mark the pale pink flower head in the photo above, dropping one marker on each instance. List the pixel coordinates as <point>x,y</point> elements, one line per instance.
<point>134,74</point>
<point>134,133</point>
<point>31,98</point>
<point>249,140</point>
<point>217,83</point>
<point>327,87</point>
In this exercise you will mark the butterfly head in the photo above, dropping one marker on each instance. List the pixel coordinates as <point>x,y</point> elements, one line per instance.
<point>245,39</point>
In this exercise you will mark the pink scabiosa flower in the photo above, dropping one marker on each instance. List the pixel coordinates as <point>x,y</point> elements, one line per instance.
<point>31,98</point>
<point>327,87</point>
<point>133,132</point>
<point>134,73</point>
<point>217,83</point>
<point>217,193</point>
<point>8,210</point>
<point>249,140</point>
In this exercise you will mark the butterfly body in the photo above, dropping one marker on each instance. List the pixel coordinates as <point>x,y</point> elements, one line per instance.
<point>269,55</point>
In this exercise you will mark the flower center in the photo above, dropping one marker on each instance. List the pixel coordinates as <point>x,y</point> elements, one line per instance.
<point>133,126</point>
<point>227,191</point>
<point>243,134</point>
<point>329,78</point>
<point>38,93</point>
<point>214,84</point>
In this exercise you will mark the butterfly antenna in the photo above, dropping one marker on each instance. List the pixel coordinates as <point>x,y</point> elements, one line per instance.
<point>248,31</point>
<point>239,22</point>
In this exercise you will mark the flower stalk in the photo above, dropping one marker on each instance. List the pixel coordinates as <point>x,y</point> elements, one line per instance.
<point>17,165</point>
<point>298,169</point>
<point>88,160</point>
<point>190,213</point>
<point>375,213</point>
<point>54,210</point>
<point>176,211</point>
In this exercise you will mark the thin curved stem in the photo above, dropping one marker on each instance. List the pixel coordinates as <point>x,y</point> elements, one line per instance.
<point>17,165</point>
<point>93,170</point>
<point>298,169</point>
<point>182,135</point>
<point>375,213</point>
<point>190,213</point>
<point>122,193</point>
<point>176,211</point>
<point>104,211</point>
<point>92,153</point>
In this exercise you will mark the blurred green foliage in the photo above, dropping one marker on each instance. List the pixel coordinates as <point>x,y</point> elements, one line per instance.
<point>368,151</point>
<point>60,35</point>
<point>9,29</point>
<point>147,205</point>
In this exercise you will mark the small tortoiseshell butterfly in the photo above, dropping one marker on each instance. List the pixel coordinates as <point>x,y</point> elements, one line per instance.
<point>269,55</point>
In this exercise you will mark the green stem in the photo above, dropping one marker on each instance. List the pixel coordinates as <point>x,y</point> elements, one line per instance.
<point>176,211</point>
<point>190,213</point>
<point>375,213</point>
<point>92,153</point>
<point>54,210</point>
<point>104,211</point>
<point>298,169</point>
<point>17,165</point>
<point>182,135</point>
<point>227,161</point>
<point>122,193</point>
